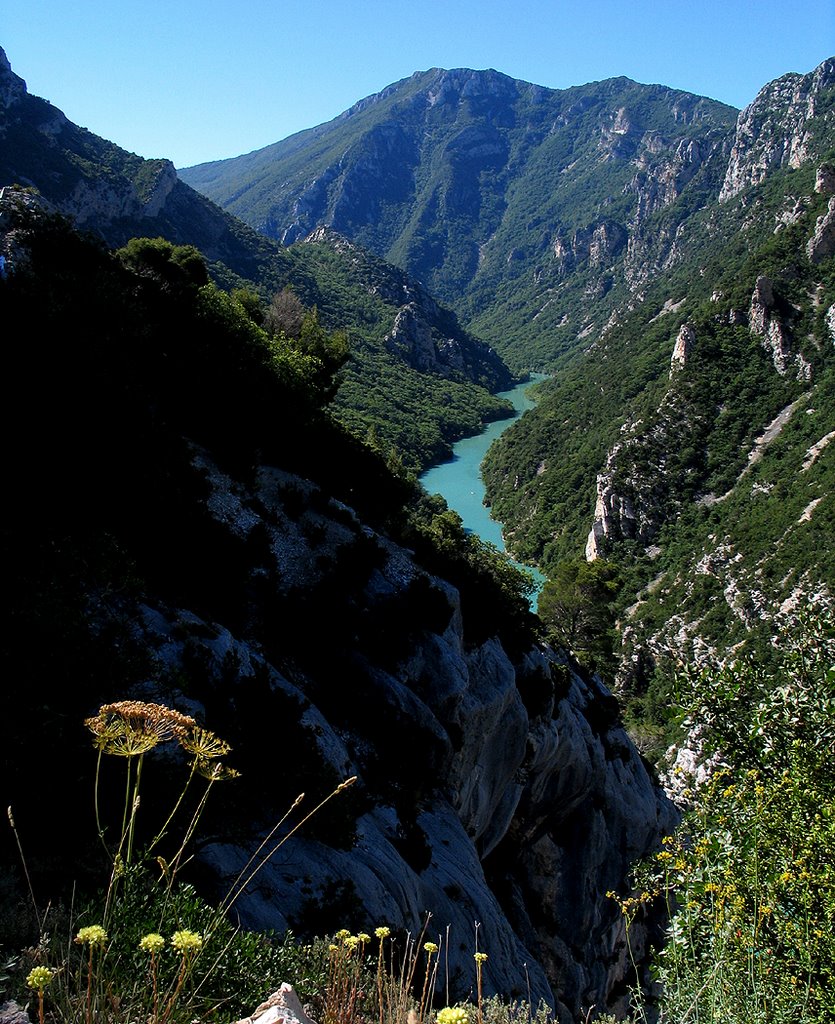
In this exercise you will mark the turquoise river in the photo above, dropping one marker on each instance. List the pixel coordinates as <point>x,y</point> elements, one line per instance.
<point>459,479</point>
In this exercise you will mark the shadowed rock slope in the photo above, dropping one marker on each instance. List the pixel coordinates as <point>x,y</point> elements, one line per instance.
<point>188,527</point>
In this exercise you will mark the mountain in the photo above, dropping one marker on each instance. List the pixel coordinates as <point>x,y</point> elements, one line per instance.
<point>669,260</point>
<point>416,379</point>
<point>190,523</point>
<point>532,211</point>
<point>188,526</point>
<point>690,444</point>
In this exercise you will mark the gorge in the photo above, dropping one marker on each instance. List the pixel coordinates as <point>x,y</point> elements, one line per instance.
<point>224,518</point>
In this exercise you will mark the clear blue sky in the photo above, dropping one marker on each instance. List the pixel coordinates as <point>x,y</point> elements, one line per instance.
<point>197,80</point>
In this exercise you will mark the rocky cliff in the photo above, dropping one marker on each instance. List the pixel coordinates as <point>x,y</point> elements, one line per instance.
<point>220,545</point>
<point>527,803</point>
<point>776,130</point>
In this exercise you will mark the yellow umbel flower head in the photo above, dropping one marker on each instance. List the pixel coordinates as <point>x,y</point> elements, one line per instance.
<point>186,941</point>
<point>453,1015</point>
<point>38,978</point>
<point>92,935</point>
<point>152,942</point>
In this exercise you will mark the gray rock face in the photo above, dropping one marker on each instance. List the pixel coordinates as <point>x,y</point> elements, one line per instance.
<point>100,202</point>
<point>825,180</point>
<point>627,501</point>
<point>683,347</point>
<point>536,805</point>
<point>12,1013</point>
<point>764,321</point>
<point>12,86</point>
<point>822,242</point>
<point>773,131</point>
<point>282,1007</point>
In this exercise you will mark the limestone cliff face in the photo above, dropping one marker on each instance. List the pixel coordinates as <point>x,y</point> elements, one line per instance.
<point>100,202</point>
<point>774,130</point>
<point>133,189</point>
<point>529,801</point>
<point>12,87</point>
<point>764,321</point>
<point>633,487</point>
<point>822,242</point>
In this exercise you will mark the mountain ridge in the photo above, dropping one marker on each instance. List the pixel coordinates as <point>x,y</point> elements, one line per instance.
<point>432,401</point>
<point>485,154</point>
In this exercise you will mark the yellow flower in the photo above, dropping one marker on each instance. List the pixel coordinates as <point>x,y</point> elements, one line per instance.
<point>185,941</point>
<point>430,947</point>
<point>382,932</point>
<point>152,942</point>
<point>92,935</point>
<point>130,727</point>
<point>453,1015</point>
<point>480,958</point>
<point>363,937</point>
<point>38,978</point>
<point>203,743</point>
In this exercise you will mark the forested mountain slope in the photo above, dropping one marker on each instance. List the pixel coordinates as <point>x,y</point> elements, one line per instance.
<point>670,261</point>
<point>415,378</point>
<point>691,443</point>
<point>532,211</point>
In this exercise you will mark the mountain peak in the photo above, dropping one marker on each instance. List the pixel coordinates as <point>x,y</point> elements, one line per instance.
<point>12,86</point>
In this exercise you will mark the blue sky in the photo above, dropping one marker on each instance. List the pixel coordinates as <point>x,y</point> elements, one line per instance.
<point>196,81</point>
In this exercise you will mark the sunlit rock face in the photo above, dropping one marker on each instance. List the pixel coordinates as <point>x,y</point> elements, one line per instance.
<point>773,131</point>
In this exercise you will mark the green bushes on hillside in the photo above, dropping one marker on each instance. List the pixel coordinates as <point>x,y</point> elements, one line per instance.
<point>749,878</point>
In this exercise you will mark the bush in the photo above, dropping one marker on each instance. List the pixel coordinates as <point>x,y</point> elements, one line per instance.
<point>749,877</point>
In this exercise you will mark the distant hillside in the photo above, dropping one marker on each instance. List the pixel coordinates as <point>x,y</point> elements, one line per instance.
<point>416,379</point>
<point>692,442</point>
<point>532,211</point>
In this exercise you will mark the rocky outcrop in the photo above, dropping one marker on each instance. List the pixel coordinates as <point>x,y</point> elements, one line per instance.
<point>424,335</point>
<point>596,246</point>
<point>529,804</point>
<point>683,347</point>
<point>774,130</point>
<point>631,487</point>
<point>615,515</point>
<point>822,242</point>
<point>282,1007</point>
<point>765,322</point>
<point>825,180</point>
<point>12,87</point>
<point>100,202</point>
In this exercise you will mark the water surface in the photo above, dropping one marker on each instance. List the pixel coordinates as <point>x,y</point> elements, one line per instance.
<point>459,479</point>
